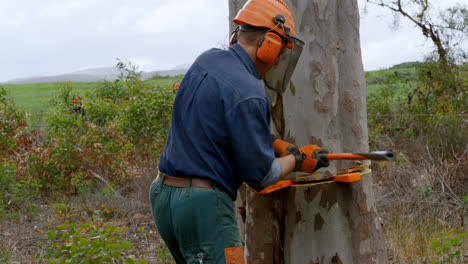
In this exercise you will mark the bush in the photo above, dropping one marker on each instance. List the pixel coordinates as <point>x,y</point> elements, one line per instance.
<point>7,172</point>
<point>12,121</point>
<point>424,121</point>
<point>449,246</point>
<point>94,241</point>
<point>16,194</point>
<point>124,129</point>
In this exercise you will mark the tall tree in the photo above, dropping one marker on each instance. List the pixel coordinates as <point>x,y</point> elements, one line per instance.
<point>324,105</point>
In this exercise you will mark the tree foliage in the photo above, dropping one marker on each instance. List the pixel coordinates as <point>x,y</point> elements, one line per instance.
<point>447,28</point>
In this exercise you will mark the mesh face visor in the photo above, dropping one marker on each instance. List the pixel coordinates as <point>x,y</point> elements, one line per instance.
<point>278,77</point>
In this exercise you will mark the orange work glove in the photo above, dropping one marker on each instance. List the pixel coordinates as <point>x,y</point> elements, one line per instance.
<point>283,148</point>
<point>307,158</point>
<point>311,160</point>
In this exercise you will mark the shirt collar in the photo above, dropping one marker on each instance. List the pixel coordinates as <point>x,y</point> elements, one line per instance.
<point>245,58</point>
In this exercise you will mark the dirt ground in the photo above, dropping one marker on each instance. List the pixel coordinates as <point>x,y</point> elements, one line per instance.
<point>21,233</point>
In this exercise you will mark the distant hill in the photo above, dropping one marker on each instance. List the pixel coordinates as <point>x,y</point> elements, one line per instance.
<point>96,74</point>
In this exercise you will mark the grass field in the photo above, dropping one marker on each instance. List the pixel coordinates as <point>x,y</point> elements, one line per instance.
<point>34,97</point>
<point>404,72</point>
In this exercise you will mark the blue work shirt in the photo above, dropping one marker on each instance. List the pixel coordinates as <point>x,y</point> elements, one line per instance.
<point>220,127</point>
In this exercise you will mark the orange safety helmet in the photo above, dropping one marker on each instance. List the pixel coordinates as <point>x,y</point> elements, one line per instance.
<point>261,13</point>
<point>279,43</point>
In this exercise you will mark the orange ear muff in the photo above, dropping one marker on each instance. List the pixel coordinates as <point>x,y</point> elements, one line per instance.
<point>269,47</point>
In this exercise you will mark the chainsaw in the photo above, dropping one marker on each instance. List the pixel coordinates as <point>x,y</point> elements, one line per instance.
<point>350,175</point>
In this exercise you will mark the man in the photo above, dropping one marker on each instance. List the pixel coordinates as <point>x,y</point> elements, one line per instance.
<point>77,109</point>
<point>219,137</point>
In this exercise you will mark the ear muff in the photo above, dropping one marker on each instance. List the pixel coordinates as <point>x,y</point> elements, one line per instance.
<point>269,47</point>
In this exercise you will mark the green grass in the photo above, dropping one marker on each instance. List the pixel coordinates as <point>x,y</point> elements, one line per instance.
<point>404,74</point>
<point>401,79</point>
<point>34,97</point>
<point>165,81</point>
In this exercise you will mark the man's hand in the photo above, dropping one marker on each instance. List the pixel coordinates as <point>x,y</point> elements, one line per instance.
<point>283,148</point>
<point>311,160</point>
<point>307,159</point>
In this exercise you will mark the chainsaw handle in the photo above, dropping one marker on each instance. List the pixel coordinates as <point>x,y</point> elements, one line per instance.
<point>376,155</point>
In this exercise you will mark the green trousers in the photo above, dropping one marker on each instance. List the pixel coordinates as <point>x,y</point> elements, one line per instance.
<point>197,224</point>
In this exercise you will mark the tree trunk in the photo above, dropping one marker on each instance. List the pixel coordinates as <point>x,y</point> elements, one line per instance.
<point>326,106</point>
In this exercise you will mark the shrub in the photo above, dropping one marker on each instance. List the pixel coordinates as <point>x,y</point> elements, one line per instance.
<point>424,121</point>
<point>449,246</point>
<point>93,241</point>
<point>12,120</point>
<point>17,194</point>
<point>7,172</point>
<point>124,129</point>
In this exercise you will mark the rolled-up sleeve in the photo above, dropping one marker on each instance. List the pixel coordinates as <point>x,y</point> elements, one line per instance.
<point>249,123</point>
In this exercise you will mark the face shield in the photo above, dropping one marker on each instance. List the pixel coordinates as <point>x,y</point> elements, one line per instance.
<point>278,77</point>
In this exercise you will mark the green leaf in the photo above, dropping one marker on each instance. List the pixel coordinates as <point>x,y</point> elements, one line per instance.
<point>130,259</point>
<point>115,246</point>
<point>126,245</point>
<point>142,261</point>
<point>73,249</point>
<point>51,235</point>
<point>95,244</point>
<point>116,254</point>
<point>83,241</point>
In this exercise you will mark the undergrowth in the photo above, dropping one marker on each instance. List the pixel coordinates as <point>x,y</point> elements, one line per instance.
<point>109,139</point>
<point>420,197</point>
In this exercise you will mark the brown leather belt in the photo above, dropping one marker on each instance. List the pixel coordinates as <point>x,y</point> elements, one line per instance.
<point>182,182</point>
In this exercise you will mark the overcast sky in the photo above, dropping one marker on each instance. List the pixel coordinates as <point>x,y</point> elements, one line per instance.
<point>52,37</point>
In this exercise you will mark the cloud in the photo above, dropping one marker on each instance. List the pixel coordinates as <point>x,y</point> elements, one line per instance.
<point>14,23</point>
<point>143,63</point>
<point>10,17</point>
<point>383,46</point>
<point>60,10</point>
<point>178,16</point>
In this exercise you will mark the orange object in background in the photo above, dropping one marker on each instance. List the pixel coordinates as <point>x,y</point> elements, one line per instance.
<point>175,87</point>
<point>76,100</point>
